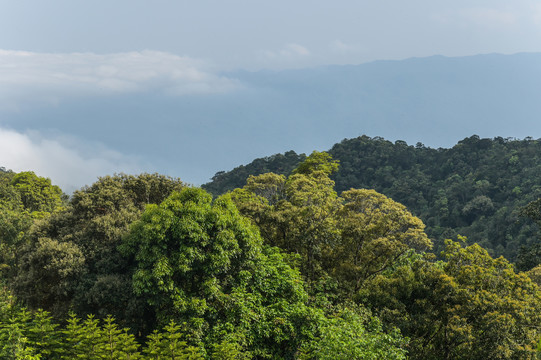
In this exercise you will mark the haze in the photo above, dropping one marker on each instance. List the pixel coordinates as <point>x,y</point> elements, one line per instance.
<point>92,88</point>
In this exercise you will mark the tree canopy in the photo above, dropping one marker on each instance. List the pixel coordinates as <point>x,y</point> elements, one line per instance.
<point>286,267</point>
<point>202,263</point>
<point>469,306</point>
<point>475,188</point>
<point>352,236</point>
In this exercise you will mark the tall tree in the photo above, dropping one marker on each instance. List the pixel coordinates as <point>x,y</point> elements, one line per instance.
<point>202,263</point>
<point>91,227</point>
<point>375,232</point>
<point>25,198</point>
<point>351,237</point>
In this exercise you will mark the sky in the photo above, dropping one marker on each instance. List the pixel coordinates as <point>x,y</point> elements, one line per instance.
<point>87,87</point>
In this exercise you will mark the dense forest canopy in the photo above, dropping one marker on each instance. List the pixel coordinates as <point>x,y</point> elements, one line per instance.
<point>474,189</point>
<point>293,264</point>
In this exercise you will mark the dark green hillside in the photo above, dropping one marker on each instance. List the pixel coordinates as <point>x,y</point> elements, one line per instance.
<point>475,188</point>
<point>223,181</point>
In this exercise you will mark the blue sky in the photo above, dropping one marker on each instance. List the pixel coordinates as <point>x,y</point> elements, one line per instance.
<point>61,61</point>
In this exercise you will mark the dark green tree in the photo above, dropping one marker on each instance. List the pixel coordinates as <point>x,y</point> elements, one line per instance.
<point>95,278</point>
<point>24,199</point>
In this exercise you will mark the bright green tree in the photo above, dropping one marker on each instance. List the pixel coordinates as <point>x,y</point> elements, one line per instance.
<point>44,336</point>
<point>14,324</point>
<point>349,335</point>
<point>169,344</point>
<point>350,237</point>
<point>469,306</point>
<point>37,194</point>
<point>375,233</point>
<point>117,344</point>
<point>298,213</point>
<point>202,263</point>
<point>317,162</point>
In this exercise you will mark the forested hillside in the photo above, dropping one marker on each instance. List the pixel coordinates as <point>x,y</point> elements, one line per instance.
<point>284,267</point>
<point>475,189</point>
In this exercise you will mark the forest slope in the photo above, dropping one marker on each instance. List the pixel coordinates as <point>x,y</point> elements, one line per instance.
<point>475,189</point>
<point>283,268</point>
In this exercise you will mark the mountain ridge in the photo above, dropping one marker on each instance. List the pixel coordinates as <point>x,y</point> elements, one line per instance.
<point>475,188</point>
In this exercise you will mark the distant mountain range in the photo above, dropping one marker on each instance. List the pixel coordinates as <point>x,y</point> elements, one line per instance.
<point>435,100</point>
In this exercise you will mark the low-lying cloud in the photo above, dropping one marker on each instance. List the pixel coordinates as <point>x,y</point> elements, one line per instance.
<point>58,159</point>
<point>52,78</point>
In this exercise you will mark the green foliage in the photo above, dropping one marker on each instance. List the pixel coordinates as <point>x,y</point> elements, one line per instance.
<point>13,226</point>
<point>375,233</point>
<point>535,275</point>
<point>46,274</point>
<point>24,335</point>
<point>351,237</point>
<point>117,344</point>
<point>530,256</point>
<point>44,336</point>
<point>348,336</point>
<point>157,255</point>
<point>350,333</point>
<point>170,345</point>
<point>13,342</point>
<point>227,350</point>
<point>475,188</point>
<point>78,248</point>
<point>24,199</point>
<point>186,246</point>
<point>296,214</point>
<point>223,182</point>
<point>88,340</point>
<point>317,162</point>
<point>202,263</point>
<point>533,211</point>
<point>36,193</point>
<point>470,307</point>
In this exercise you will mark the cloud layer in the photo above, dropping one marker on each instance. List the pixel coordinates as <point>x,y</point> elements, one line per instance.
<point>52,78</point>
<point>58,159</point>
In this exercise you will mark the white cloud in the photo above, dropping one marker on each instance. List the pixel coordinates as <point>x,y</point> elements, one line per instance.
<point>59,160</point>
<point>536,13</point>
<point>51,78</point>
<point>289,51</point>
<point>343,48</point>
<point>489,17</point>
<point>478,16</point>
